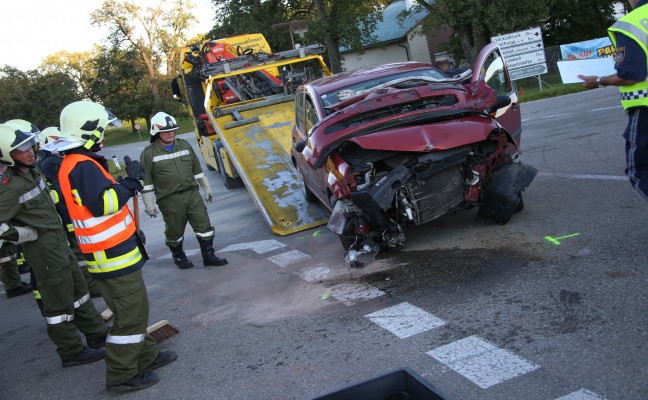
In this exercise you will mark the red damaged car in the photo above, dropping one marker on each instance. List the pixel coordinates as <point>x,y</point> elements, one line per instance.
<point>398,144</point>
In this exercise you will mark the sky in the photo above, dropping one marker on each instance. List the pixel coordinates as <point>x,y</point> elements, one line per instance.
<point>33,29</point>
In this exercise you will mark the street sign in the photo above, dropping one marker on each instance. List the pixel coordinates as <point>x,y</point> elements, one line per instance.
<point>518,38</point>
<point>521,49</point>
<point>524,60</point>
<point>526,72</point>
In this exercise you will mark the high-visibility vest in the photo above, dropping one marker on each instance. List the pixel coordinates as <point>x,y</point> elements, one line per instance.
<point>635,26</point>
<point>93,234</point>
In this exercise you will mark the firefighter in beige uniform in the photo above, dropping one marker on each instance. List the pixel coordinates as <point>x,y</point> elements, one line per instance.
<point>28,216</point>
<point>172,174</point>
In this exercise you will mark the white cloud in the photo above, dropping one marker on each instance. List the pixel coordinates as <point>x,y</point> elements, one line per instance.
<point>34,29</point>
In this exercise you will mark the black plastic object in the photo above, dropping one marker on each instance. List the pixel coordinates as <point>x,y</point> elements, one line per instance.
<point>403,384</point>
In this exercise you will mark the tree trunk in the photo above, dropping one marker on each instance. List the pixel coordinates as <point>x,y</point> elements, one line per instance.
<point>331,44</point>
<point>465,35</point>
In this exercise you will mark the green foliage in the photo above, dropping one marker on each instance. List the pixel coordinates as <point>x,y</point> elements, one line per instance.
<point>34,96</point>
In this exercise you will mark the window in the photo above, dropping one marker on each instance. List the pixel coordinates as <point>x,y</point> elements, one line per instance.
<point>495,74</point>
<point>311,114</point>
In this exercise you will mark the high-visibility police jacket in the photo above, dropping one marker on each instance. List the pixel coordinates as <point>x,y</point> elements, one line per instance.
<point>634,25</point>
<point>25,201</point>
<point>167,172</point>
<point>102,221</point>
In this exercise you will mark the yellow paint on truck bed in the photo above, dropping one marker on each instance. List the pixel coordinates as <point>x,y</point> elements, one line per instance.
<point>259,143</point>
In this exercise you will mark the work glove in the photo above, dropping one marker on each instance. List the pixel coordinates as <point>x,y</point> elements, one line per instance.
<point>132,184</point>
<point>133,168</point>
<point>149,204</point>
<point>204,183</point>
<point>25,234</point>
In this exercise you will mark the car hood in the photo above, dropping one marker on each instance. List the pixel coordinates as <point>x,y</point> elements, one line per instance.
<point>419,119</point>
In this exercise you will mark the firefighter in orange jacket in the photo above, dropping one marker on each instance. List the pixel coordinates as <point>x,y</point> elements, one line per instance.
<point>105,232</point>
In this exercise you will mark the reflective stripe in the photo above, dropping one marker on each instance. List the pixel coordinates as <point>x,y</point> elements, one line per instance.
<point>76,198</point>
<point>32,193</point>
<point>82,300</point>
<point>82,263</point>
<point>70,227</point>
<point>205,234</point>
<point>7,259</point>
<point>175,241</point>
<point>4,228</point>
<point>130,339</point>
<point>91,222</point>
<point>635,95</point>
<point>107,234</point>
<point>111,203</point>
<point>170,156</point>
<point>632,29</point>
<point>103,264</point>
<point>37,295</point>
<point>55,197</point>
<point>59,319</point>
<point>148,188</point>
<point>200,175</point>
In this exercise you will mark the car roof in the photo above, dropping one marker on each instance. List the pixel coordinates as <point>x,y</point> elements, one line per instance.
<point>343,79</point>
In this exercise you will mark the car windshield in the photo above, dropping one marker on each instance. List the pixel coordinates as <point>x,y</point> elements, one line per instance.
<point>335,96</point>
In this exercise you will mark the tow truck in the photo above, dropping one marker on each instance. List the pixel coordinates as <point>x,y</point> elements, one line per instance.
<point>240,96</point>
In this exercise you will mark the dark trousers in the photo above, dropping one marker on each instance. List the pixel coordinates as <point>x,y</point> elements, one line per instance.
<point>178,209</point>
<point>636,135</point>
<point>66,302</point>
<point>129,349</point>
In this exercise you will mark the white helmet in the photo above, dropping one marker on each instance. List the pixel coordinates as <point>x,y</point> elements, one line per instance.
<point>49,134</point>
<point>83,124</point>
<point>162,122</point>
<point>14,137</point>
<point>25,126</point>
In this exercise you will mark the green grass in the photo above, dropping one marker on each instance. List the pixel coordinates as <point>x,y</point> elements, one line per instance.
<point>534,93</point>
<point>124,134</point>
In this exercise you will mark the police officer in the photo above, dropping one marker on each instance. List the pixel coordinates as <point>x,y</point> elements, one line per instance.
<point>28,216</point>
<point>629,36</point>
<point>105,231</point>
<point>172,175</point>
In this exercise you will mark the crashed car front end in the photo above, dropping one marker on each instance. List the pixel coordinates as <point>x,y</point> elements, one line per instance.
<point>411,166</point>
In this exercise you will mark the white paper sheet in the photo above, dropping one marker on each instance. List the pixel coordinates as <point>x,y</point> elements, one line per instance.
<point>569,70</point>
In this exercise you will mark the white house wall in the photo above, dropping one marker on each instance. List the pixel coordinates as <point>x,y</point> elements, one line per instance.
<point>418,44</point>
<point>376,56</point>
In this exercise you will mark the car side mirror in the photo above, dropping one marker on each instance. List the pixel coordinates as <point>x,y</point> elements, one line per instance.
<point>500,102</point>
<point>299,146</point>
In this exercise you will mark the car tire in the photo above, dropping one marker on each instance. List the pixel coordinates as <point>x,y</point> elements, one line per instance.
<point>308,195</point>
<point>228,181</point>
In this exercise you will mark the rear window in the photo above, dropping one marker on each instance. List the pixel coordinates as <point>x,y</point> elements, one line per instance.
<point>333,97</point>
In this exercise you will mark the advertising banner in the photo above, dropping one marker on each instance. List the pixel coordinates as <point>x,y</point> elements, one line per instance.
<point>595,48</point>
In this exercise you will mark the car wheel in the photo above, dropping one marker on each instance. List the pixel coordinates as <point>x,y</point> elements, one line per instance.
<point>520,205</point>
<point>228,181</point>
<point>308,195</point>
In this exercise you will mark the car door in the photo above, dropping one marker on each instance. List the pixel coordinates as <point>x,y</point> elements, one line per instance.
<point>491,67</point>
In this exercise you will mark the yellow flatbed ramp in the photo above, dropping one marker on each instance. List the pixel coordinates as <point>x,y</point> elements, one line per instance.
<point>257,138</point>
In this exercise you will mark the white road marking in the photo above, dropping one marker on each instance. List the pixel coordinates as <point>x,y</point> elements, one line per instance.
<point>259,247</point>
<point>288,258</point>
<point>606,108</point>
<point>555,115</point>
<point>585,176</point>
<point>317,272</point>
<point>481,362</point>
<point>582,394</point>
<point>405,320</point>
<point>352,293</point>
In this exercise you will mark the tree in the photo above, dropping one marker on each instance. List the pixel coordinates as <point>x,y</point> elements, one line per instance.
<point>476,21</point>
<point>34,96</point>
<point>154,32</point>
<point>78,66</point>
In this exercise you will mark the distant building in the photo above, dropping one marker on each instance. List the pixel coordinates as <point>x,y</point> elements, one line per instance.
<point>395,42</point>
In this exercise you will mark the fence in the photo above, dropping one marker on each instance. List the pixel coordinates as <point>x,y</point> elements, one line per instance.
<point>552,78</point>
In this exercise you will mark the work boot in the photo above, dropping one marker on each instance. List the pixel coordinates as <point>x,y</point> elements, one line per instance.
<point>142,380</point>
<point>24,288</point>
<point>163,358</point>
<point>87,355</point>
<point>179,257</point>
<point>98,342</point>
<point>209,258</point>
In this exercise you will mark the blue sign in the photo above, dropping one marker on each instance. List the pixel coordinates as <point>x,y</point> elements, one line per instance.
<point>594,48</point>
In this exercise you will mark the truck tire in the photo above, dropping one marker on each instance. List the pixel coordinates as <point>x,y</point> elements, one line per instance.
<point>228,181</point>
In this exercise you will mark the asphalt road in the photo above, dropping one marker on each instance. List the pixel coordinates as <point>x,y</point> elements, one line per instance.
<point>480,311</point>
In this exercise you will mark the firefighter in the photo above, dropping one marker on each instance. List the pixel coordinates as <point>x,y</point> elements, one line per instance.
<point>28,217</point>
<point>172,175</point>
<point>105,231</point>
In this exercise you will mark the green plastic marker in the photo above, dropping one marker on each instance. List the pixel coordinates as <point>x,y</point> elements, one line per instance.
<point>556,241</point>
